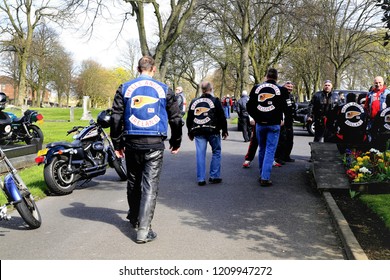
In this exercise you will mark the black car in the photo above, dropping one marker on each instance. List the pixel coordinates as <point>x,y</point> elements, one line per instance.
<point>302,108</point>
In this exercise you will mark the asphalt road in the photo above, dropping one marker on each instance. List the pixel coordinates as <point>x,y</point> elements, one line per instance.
<point>234,220</point>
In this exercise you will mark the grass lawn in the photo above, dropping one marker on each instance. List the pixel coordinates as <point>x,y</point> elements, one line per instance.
<point>56,123</point>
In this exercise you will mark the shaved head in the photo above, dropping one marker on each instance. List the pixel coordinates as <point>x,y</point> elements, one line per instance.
<point>378,82</point>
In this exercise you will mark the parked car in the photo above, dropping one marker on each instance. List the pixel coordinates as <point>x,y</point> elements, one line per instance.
<point>302,108</point>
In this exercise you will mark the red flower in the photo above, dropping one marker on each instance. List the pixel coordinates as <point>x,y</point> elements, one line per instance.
<point>351,174</point>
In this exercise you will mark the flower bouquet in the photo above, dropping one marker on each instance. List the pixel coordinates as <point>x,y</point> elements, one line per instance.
<point>371,168</point>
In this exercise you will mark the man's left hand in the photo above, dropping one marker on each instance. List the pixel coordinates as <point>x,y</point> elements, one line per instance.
<point>174,151</point>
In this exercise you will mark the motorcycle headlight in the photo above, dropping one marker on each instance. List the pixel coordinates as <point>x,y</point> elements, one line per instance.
<point>7,128</point>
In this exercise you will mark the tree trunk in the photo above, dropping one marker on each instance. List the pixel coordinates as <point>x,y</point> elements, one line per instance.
<point>244,67</point>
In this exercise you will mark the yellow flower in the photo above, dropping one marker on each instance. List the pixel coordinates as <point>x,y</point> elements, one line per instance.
<point>380,160</point>
<point>366,158</point>
<point>359,159</point>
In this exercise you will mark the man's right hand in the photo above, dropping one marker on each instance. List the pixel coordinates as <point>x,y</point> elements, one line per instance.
<point>119,153</point>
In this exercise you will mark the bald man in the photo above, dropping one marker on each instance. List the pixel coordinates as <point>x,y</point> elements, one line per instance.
<point>376,98</point>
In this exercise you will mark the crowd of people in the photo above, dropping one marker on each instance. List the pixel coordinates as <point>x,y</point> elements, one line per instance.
<point>358,121</point>
<point>143,108</point>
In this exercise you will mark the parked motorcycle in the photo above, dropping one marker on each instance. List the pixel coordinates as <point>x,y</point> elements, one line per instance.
<point>18,196</point>
<point>81,160</point>
<point>301,116</point>
<point>23,129</point>
<point>5,120</point>
<point>14,129</point>
<point>5,126</point>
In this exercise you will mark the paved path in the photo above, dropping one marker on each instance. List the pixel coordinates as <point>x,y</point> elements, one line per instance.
<point>234,220</point>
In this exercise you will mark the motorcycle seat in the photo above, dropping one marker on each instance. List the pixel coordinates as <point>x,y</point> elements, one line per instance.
<point>74,144</point>
<point>17,120</point>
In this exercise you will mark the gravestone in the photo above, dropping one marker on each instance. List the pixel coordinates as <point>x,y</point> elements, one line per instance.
<point>86,114</point>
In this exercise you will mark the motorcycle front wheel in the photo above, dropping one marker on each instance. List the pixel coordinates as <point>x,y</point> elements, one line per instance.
<point>29,212</point>
<point>120,168</point>
<point>310,128</point>
<point>35,132</point>
<point>57,177</point>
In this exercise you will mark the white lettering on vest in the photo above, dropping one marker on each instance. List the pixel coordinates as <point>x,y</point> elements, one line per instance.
<point>274,87</point>
<point>145,83</point>
<point>144,123</point>
<point>207,100</point>
<point>265,109</point>
<point>202,121</point>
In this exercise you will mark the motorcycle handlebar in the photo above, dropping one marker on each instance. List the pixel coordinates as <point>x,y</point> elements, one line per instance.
<point>74,129</point>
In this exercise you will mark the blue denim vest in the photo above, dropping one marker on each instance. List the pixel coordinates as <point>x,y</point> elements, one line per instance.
<point>145,107</point>
<point>382,98</point>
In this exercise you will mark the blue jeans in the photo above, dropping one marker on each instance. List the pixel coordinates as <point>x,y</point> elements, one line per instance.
<point>268,137</point>
<point>201,148</point>
<point>227,111</point>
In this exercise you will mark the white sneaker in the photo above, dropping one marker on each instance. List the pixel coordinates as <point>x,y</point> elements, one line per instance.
<point>246,164</point>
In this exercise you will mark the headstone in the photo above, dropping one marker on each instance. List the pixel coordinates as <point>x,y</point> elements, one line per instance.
<point>71,117</point>
<point>24,108</point>
<point>86,114</point>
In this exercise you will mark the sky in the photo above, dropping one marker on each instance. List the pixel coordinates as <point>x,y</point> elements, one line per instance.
<point>106,46</point>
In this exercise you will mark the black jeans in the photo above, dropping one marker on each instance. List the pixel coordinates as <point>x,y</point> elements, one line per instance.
<point>246,128</point>
<point>143,176</point>
<point>319,130</point>
<point>289,141</point>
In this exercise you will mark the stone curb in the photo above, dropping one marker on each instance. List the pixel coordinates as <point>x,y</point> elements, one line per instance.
<point>351,246</point>
<point>19,162</point>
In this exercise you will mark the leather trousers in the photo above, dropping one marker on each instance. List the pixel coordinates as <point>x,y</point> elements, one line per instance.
<point>143,176</point>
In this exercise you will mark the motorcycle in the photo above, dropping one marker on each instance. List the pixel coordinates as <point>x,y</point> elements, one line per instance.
<point>81,160</point>
<point>301,117</point>
<point>23,129</point>
<point>19,196</point>
<point>5,126</point>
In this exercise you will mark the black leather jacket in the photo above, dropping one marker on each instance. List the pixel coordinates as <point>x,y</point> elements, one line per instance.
<point>267,103</point>
<point>324,105</point>
<point>206,116</point>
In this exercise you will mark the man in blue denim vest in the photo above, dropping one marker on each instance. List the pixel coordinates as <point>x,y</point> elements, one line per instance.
<point>141,111</point>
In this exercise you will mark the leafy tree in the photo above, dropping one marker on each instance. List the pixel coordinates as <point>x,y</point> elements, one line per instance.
<point>18,20</point>
<point>385,5</point>
<point>40,67</point>
<point>97,82</point>
<point>169,25</point>
<point>62,74</point>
